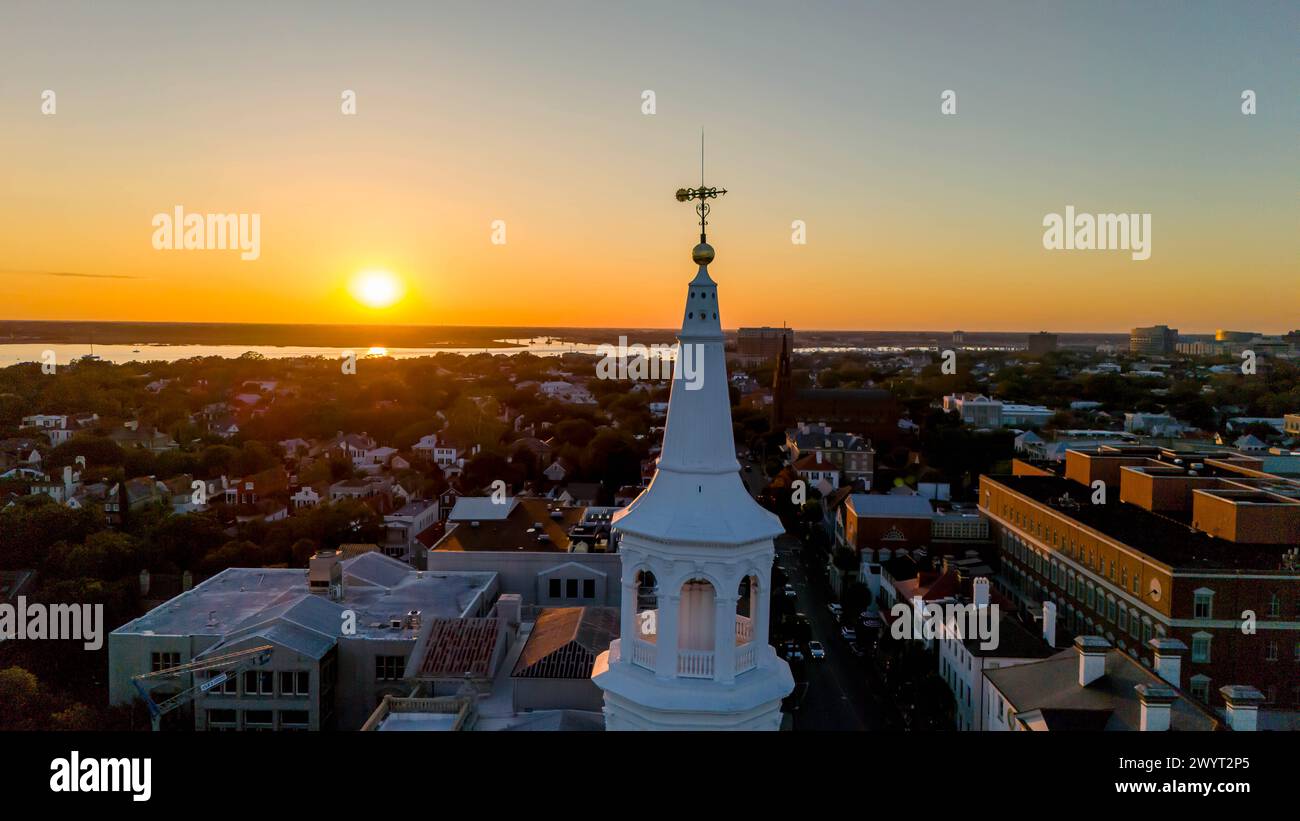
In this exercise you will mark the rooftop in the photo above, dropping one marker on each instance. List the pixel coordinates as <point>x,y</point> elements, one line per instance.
<point>375,587</point>
<point>1160,536</point>
<point>565,641</point>
<point>890,504</point>
<point>456,648</point>
<point>1050,691</point>
<point>531,524</point>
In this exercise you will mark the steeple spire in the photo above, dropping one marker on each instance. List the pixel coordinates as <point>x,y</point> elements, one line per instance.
<point>693,660</point>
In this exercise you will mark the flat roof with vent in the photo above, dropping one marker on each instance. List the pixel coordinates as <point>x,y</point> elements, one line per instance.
<point>1162,537</point>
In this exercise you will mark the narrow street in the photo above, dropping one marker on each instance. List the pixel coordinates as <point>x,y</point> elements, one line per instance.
<point>840,695</point>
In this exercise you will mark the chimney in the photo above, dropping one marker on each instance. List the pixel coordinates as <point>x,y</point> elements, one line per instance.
<point>144,582</point>
<point>1049,623</point>
<point>1242,702</point>
<point>1157,706</point>
<point>980,592</point>
<point>510,610</point>
<point>1092,658</point>
<point>1168,659</point>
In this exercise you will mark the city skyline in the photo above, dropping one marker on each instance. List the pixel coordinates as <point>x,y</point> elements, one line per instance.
<point>914,219</point>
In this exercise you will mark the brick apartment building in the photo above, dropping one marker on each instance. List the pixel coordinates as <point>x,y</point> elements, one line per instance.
<point>1181,545</point>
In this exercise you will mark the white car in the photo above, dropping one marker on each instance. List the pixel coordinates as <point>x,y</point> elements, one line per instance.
<point>816,650</point>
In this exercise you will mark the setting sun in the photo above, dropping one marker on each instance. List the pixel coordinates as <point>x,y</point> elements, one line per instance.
<point>377,289</point>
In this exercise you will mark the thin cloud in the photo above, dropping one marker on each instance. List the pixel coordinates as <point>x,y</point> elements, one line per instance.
<point>72,274</point>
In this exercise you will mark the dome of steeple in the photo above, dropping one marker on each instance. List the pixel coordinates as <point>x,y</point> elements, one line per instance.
<point>702,254</point>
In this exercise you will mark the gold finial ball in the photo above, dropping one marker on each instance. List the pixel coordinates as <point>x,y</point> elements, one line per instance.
<point>702,253</point>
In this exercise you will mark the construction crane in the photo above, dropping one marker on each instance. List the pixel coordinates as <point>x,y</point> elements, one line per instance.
<point>235,663</point>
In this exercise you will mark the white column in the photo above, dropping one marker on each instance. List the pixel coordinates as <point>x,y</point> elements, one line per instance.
<point>759,612</point>
<point>666,642</point>
<point>629,629</point>
<point>724,637</point>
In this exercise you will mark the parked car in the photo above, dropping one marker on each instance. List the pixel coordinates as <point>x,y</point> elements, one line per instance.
<point>835,609</point>
<point>869,619</point>
<point>856,649</point>
<point>815,650</point>
<point>848,634</point>
<point>790,591</point>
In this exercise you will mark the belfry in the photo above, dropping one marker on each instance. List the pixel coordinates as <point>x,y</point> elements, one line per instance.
<point>697,552</point>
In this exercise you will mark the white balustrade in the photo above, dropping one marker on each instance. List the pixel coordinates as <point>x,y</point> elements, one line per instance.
<point>695,663</point>
<point>643,654</point>
<point>745,657</point>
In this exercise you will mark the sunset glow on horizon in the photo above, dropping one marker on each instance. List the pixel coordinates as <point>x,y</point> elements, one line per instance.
<point>913,220</point>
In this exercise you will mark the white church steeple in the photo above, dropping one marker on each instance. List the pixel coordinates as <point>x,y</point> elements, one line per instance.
<point>697,554</point>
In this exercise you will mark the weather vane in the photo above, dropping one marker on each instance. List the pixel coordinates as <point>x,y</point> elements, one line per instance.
<point>703,193</point>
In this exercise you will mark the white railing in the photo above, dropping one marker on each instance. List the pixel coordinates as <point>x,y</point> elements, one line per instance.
<point>744,630</point>
<point>695,663</point>
<point>643,654</point>
<point>745,657</point>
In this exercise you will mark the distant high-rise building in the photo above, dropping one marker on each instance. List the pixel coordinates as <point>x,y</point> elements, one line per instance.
<point>1041,343</point>
<point>1234,336</point>
<point>1157,340</point>
<point>958,337</point>
<point>758,346</point>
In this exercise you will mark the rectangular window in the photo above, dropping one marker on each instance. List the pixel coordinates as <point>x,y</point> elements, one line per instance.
<point>294,719</point>
<point>163,661</point>
<point>222,719</point>
<point>230,686</point>
<point>555,588</point>
<point>259,720</point>
<point>1201,648</point>
<point>589,588</point>
<point>295,683</point>
<point>1202,607</point>
<point>571,588</point>
<point>257,683</point>
<point>389,668</point>
<point>1200,689</point>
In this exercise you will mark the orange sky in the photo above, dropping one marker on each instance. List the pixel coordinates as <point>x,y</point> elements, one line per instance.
<point>915,221</point>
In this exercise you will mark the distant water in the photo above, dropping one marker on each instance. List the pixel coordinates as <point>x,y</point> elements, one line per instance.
<point>15,353</point>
